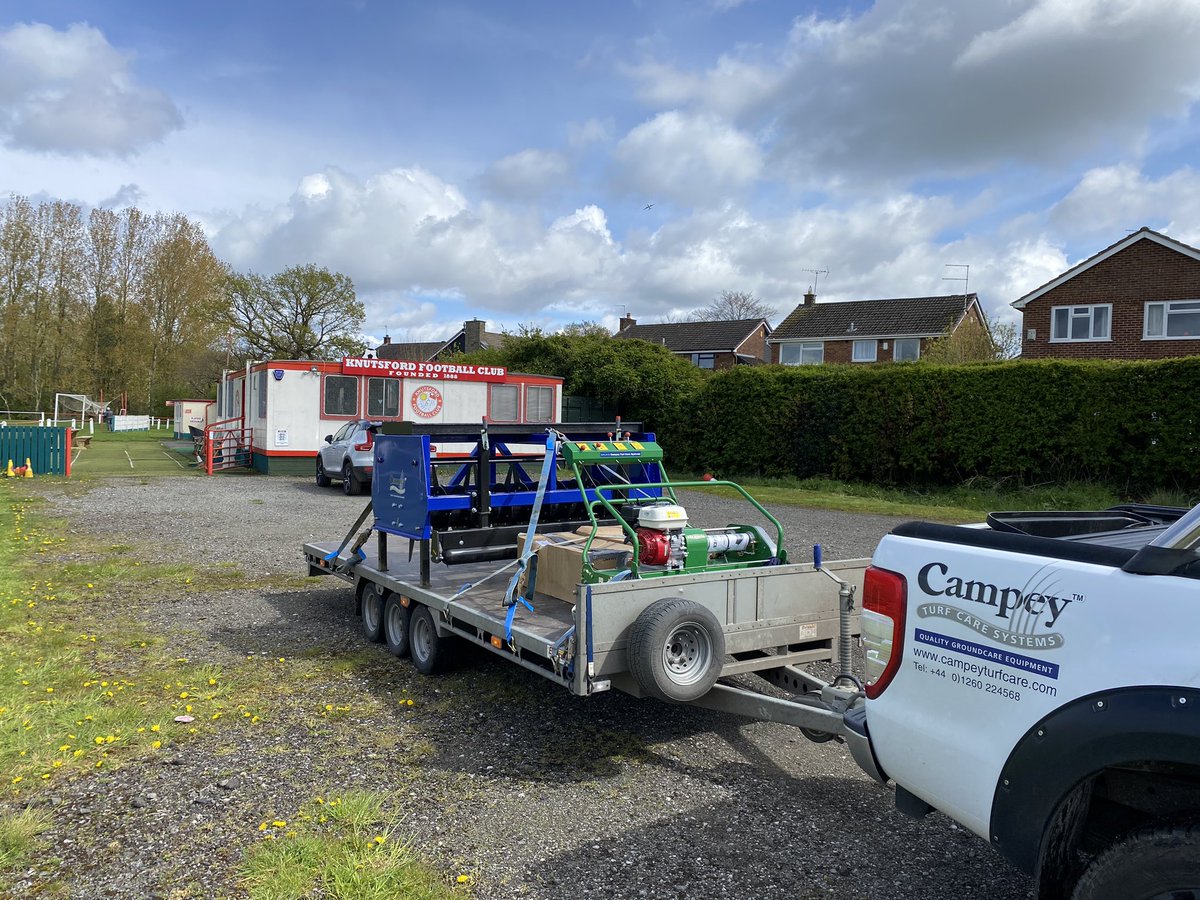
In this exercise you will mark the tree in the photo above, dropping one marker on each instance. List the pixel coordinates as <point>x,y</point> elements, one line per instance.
<point>303,312</point>
<point>975,342</point>
<point>732,305</point>
<point>642,381</point>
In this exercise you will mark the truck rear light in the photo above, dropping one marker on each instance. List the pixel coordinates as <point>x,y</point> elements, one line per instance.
<point>368,443</point>
<point>885,596</point>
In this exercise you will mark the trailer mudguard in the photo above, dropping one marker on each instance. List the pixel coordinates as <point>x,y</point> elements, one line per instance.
<point>1079,740</point>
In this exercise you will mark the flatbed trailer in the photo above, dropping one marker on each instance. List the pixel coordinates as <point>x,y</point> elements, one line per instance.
<point>678,638</point>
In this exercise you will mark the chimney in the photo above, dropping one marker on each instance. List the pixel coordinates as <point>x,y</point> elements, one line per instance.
<point>626,322</point>
<point>810,298</point>
<point>473,334</point>
<point>387,339</point>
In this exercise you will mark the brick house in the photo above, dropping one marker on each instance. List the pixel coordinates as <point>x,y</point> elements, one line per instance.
<point>1138,299</point>
<point>869,331</point>
<point>471,336</point>
<point>707,345</point>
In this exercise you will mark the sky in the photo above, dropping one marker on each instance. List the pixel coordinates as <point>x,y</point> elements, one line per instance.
<point>542,163</point>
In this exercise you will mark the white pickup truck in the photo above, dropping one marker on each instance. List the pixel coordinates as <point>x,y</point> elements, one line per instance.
<point>1037,679</point>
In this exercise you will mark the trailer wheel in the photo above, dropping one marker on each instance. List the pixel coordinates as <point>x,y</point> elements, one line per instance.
<point>396,618</point>
<point>323,479</point>
<point>351,486</point>
<point>1149,863</point>
<point>372,612</point>
<point>676,650</point>
<point>430,651</point>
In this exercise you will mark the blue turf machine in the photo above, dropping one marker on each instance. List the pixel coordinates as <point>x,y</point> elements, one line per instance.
<point>463,493</point>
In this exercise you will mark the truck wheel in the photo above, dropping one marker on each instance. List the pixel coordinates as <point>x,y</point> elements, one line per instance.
<point>372,612</point>
<point>676,650</point>
<point>1149,863</point>
<point>323,480</point>
<point>396,618</point>
<point>430,651</point>
<point>350,483</point>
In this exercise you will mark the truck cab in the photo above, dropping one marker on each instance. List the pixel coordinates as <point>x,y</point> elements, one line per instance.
<point>1037,680</point>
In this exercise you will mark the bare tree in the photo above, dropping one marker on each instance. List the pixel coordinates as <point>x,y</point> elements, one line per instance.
<point>733,305</point>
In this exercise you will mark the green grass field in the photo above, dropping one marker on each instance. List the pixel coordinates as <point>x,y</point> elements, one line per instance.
<point>139,454</point>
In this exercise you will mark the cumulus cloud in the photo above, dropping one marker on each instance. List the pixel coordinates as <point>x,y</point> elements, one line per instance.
<point>409,239</point>
<point>527,175</point>
<point>71,92</point>
<point>694,160</point>
<point>924,88</point>
<point>1111,200</point>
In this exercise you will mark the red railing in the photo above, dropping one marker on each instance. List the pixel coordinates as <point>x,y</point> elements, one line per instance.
<point>227,446</point>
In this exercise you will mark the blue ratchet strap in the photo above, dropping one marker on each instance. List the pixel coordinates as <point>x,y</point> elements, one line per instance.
<point>510,595</point>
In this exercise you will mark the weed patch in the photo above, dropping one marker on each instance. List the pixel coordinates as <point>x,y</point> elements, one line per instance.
<point>343,847</point>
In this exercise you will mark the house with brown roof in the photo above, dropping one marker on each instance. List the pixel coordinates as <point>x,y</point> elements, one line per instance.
<point>869,331</point>
<point>1136,299</point>
<point>472,336</point>
<point>708,345</point>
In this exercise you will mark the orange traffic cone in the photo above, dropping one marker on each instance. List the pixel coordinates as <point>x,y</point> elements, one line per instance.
<point>28,468</point>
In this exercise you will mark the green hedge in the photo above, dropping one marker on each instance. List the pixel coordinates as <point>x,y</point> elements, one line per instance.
<point>1128,424</point>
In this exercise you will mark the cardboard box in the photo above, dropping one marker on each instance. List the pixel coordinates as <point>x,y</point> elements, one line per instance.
<point>560,559</point>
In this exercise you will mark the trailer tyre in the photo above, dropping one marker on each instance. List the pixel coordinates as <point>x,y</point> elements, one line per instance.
<point>1149,863</point>
<point>430,651</point>
<point>676,650</point>
<point>396,617</point>
<point>372,612</point>
<point>323,480</point>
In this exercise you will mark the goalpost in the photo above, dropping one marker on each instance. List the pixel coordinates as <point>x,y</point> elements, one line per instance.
<point>79,406</point>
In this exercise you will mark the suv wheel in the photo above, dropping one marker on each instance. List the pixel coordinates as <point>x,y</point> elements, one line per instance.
<point>350,483</point>
<point>323,480</point>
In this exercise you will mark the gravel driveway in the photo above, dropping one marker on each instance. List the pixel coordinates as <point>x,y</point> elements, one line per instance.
<point>496,772</point>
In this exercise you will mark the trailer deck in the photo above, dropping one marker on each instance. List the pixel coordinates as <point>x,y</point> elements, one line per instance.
<point>683,607</point>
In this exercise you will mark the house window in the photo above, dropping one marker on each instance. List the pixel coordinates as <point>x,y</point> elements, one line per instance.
<point>341,395</point>
<point>260,388</point>
<point>383,398</point>
<point>1180,319</point>
<point>703,360</point>
<point>907,350</point>
<point>864,351</point>
<point>539,404</point>
<point>503,400</point>
<point>809,353</point>
<point>1080,323</point>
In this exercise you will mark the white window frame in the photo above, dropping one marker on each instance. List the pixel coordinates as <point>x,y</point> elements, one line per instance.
<point>874,348</point>
<point>1072,310</point>
<point>803,347</point>
<point>1166,305</point>
<point>896,342</point>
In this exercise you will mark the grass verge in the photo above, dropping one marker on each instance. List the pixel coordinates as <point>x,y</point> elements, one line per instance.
<point>343,848</point>
<point>967,502</point>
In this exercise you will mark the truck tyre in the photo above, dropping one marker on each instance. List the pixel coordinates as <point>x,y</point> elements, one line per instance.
<point>1149,863</point>
<point>372,612</point>
<point>323,480</point>
<point>350,483</point>
<point>430,651</point>
<point>396,618</point>
<point>676,650</point>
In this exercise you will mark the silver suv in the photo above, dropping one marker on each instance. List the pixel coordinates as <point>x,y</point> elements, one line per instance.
<point>348,456</point>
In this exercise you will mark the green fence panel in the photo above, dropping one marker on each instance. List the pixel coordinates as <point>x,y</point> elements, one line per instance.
<point>45,448</point>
